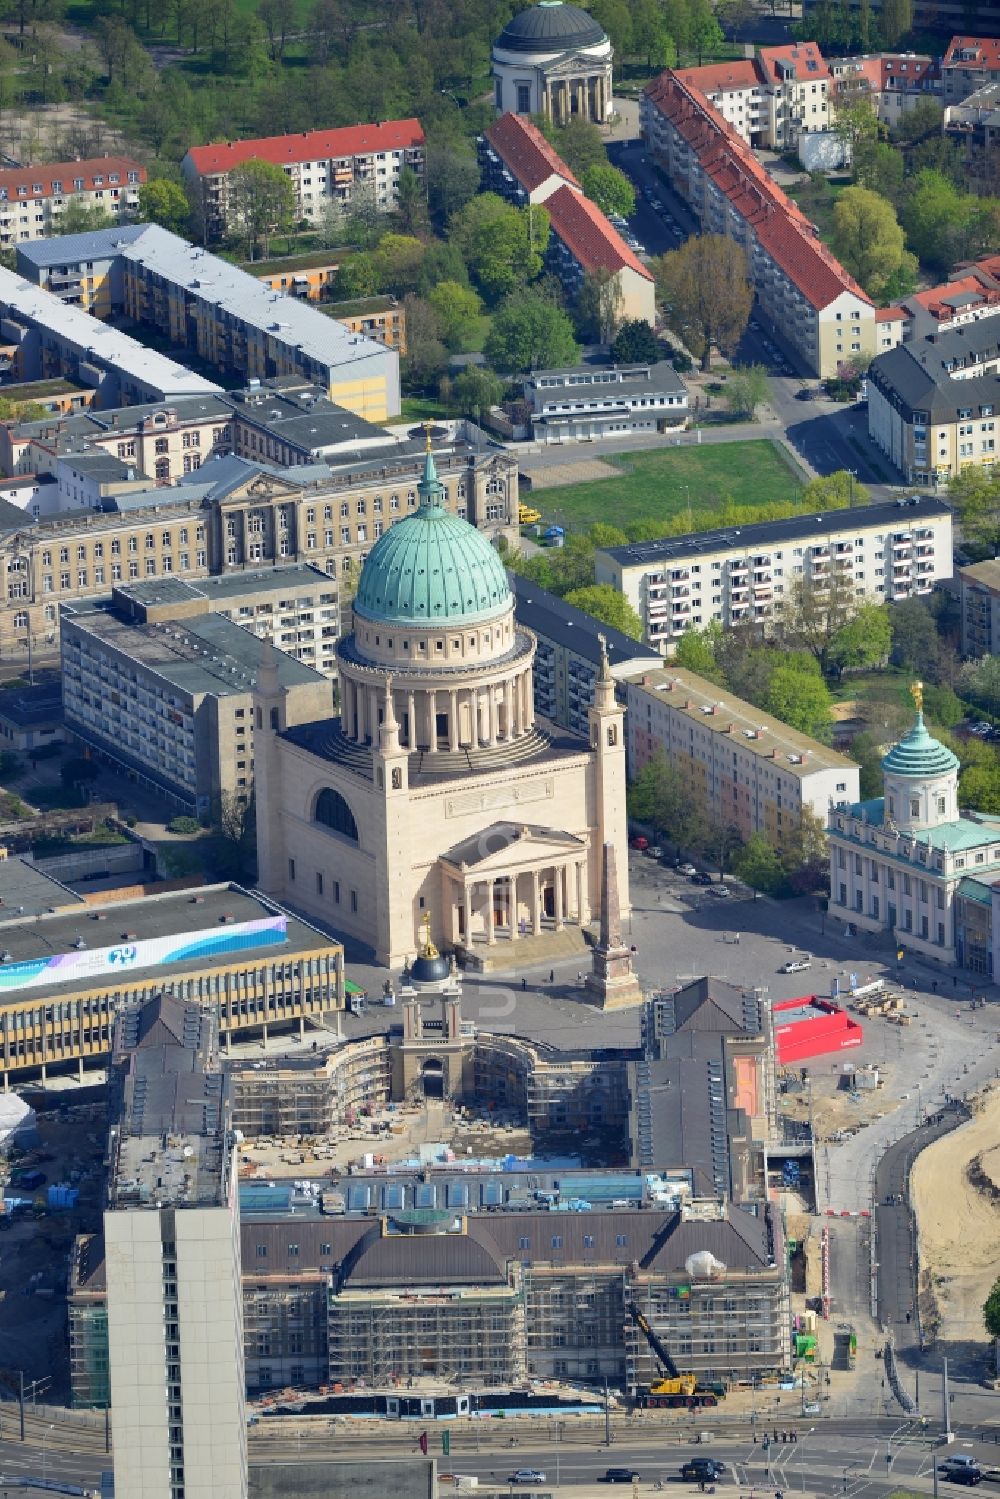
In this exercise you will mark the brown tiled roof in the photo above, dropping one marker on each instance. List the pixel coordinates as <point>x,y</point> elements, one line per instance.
<point>986,48</point>
<point>891,314</point>
<point>717,77</point>
<point>524,150</point>
<point>594,243</point>
<point>805,58</point>
<point>309,145</point>
<point>780,226</point>
<point>58,178</point>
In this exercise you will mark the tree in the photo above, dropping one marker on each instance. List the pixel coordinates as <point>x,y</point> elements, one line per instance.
<point>696,651</point>
<point>980,680</point>
<point>880,167</point>
<point>502,245</point>
<point>579,143</point>
<point>601,534</point>
<point>705,32</point>
<point>410,212</point>
<point>610,189</point>
<point>758,865</point>
<point>474,391</point>
<point>635,343</point>
<point>914,637</point>
<point>234,837</point>
<point>931,213</point>
<point>816,613</point>
<point>706,293</point>
<point>358,276</point>
<point>867,238</point>
<point>77,218</point>
<point>855,123</point>
<point>612,608</point>
<point>398,260</point>
<point>862,642</point>
<point>801,699</point>
<point>975,493</point>
<point>804,853</point>
<point>991,1311</point>
<point>747,388</point>
<point>836,491</point>
<point>278,20</point>
<point>867,749</point>
<point>459,309</point>
<point>426,355</point>
<point>164,202</point>
<point>925,117</point>
<point>895,21</point>
<point>530,333</point>
<point>262,203</point>
<point>599,306</point>
<point>655,795</point>
<point>452,177</point>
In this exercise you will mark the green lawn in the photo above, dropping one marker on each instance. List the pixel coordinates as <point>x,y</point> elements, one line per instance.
<point>420,409</point>
<point>659,483</point>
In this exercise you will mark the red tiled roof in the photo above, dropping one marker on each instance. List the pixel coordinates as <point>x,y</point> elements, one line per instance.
<point>805,58</point>
<point>901,71</point>
<point>718,77</point>
<point>594,243</point>
<point>891,314</point>
<point>934,299</point>
<point>525,151</point>
<point>39,180</point>
<point>310,145</point>
<point>779,225</point>
<point>987,49</point>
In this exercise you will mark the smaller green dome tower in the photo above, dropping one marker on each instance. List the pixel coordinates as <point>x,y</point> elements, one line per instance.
<point>432,566</point>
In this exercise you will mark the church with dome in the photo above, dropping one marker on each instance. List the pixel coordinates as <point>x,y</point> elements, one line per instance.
<point>437,803</point>
<point>553,59</point>
<point>911,864</point>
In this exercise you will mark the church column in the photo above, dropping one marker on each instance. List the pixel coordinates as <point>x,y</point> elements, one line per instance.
<point>411,719</point>
<point>536,905</point>
<point>557,878</point>
<point>579,892</point>
<point>512,887</point>
<point>453,719</point>
<point>491,715</point>
<point>467,898</point>
<point>432,720</point>
<point>508,709</point>
<point>491,935</point>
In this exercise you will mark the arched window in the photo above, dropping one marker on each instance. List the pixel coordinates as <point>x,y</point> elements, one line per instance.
<point>334,813</point>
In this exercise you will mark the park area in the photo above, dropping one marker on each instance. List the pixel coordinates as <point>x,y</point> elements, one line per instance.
<point>660,483</point>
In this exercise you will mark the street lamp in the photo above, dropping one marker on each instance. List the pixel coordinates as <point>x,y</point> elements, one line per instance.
<point>854,474</point>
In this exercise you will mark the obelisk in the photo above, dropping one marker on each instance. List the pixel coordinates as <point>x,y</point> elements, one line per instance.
<point>612,979</point>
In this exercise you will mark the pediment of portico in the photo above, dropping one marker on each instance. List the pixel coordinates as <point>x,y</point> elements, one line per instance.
<point>505,847</point>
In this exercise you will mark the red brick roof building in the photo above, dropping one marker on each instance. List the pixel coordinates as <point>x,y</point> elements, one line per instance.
<point>325,166</point>
<point>771,99</point>
<point>32,198</point>
<point>818,309</point>
<point>969,63</point>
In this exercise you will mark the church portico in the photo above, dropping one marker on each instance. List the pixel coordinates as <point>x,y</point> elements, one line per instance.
<point>554,59</point>
<point>513,882</point>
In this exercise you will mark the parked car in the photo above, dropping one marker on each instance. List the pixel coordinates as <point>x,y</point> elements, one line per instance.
<point>805,394</point>
<point>654,851</point>
<point>796,965</point>
<point>701,878</point>
<point>683,867</point>
<point>621,1475</point>
<point>721,892</point>
<point>969,1476</point>
<point>639,841</point>
<point>812,1408</point>
<point>703,1469</point>
<point>527,1475</point>
<point>957,1462</point>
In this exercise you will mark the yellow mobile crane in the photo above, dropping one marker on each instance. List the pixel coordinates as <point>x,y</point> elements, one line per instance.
<point>676,1389</point>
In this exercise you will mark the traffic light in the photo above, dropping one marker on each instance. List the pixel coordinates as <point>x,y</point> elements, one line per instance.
<point>423,1443</point>
<point>446,1443</point>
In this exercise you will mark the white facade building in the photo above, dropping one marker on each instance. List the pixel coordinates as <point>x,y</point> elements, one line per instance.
<point>881,552</point>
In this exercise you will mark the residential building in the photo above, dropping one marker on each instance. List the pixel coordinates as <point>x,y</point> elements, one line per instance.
<point>434,759</point>
<point>971,292</point>
<point>893,82</point>
<point>553,59</point>
<point>295,608</point>
<point>933,403</point>
<point>518,163</point>
<point>31,718</point>
<point>969,63</point>
<point>33,198</point>
<point>980,606</point>
<point>741,767</point>
<point>975,125</point>
<point>816,307</point>
<point>233,516</point>
<point>160,440</point>
<point>311,276</point>
<point>381,318</point>
<point>172,1252</point>
<point>45,338</point>
<point>57,397</point>
<point>216,944</point>
<point>290,422</point>
<point>83,270</point>
<point>898,861</point>
<point>568,654</point>
<point>219,313</point>
<point>342,167</point>
<point>883,552</point>
<point>770,99</point>
<point>586,401</point>
<point>34,494</point>
<point>166,696</point>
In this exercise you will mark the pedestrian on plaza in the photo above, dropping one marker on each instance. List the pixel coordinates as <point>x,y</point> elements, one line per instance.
<point>524,985</point>
<point>552,975</point>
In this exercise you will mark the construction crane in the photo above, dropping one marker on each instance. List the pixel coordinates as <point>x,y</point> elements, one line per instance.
<point>677,1389</point>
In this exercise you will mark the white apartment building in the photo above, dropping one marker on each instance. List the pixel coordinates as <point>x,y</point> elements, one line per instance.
<point>171,1236</point>
<point>897,862</point>
<point>325,166</point>
<point>742,767</point>
<point>814,305</point>
<point>33,199</point>
<point>884,552</point>
<point>980,596</point>
<point>770,99</point>
<point>969,63</point>
<point>585,401</point>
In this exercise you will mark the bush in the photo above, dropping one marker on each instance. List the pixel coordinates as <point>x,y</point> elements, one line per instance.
<point>184,825</point>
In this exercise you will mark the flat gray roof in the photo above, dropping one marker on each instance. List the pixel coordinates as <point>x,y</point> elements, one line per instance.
<point>25,890</point>
<point>227,586</point>
<point>93,340</point>
<point>206,655</point>
<point>305,417</point>
<point>67,249</point>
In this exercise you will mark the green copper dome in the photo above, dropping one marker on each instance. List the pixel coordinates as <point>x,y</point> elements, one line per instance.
<point>431,566</point>
<point>918,754</point>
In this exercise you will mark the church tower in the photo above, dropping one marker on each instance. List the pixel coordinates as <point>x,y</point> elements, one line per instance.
<point>393,850</point>
<point>607,739</point>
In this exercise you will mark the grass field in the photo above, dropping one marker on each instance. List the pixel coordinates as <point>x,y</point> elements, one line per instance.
<point>661,483</point>
<point>421,409</point>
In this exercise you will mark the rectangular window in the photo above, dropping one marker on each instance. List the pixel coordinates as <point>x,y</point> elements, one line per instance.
<point>319,883</point>
<point>291,869</point>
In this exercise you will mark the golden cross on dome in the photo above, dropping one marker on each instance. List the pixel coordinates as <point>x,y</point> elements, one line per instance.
<point>427,435</point>
<point>917,693</point>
